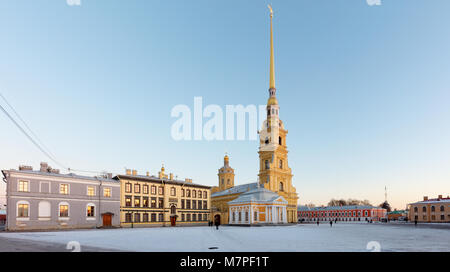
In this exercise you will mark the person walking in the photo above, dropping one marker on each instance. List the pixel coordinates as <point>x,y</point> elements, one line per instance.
<point>217,223</point>
<point>415,223</point>
<point>331,223</point>
<point>317,222</point>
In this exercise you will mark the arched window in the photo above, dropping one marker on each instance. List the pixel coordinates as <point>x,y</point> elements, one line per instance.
<point>281,187</point>
<point>173,209</point>
<point>416,209</point>
<point>266,164</point>
<point>199,194</point>
<point>173,191</point>
<point>228,181</point>
<point>433,209</point>
<point>424,209</point>
<point>280,142</point>
<point>281,164</point>
<point>63,210</point>
<point>194,193</point>
<point>442,208</point>
<point>90,210</point>
<point>44,209</point>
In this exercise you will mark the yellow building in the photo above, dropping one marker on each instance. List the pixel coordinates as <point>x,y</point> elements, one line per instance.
<point>430,210</point>
<point>274,174</point>
<point>162,200</point>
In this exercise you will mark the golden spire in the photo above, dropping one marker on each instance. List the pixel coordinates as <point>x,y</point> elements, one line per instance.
<point>272,58</point>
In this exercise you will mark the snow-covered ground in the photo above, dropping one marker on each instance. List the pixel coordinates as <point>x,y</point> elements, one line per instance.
<point>306,237</point>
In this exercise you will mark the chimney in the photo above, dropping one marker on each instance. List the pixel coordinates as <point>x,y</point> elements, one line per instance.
<point>171,176</point>
<point>440,197</point>
<point>25,168</point>
<point>44,167</point>
<point>148,173</point>
<point>134,172</point>
<point>128,172</point>
<point>109,175</point>
<point>425,198</point>
<point>54,171</point>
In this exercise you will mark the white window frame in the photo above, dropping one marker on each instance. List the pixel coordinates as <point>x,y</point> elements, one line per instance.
<point>95,211</point>
<point>87,190</point>
<point>110,191</point>
<point>68,188</point>
<point>49,186</point>
<point>59,210</point>
<point>17,210</point>
<point>18,185</point>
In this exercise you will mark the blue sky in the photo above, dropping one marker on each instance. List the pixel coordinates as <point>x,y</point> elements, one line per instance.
<point>364,90</point>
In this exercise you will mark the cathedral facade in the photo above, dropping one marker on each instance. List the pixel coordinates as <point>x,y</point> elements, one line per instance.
<point>275,174</point>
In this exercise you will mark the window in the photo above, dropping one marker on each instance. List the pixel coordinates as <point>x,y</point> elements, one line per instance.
<point>281,164</point>
<point>199,204</point>
<point>153,218</point>
<point>145,191</point>
<point>433,209</point>
<point>280,142</point>
<point>90,210</point>
<point>415,209</point>
<point>145,217</point>
<point>153,190</point>
<point>64,189</point>
<point>223,182</point>
<point>281,188</point>
<point>64,210</point>
<point>194,193</point>
<point>228,181</point>
<point>442,217</point>
<point>199,194</point>
<point>23,186</point>
<point>137,217</point>
<point>161,190</point>
<point>188,204</point>
<point>182,192</point>
<point>137,201</point>
<point>266,164</point>
<point>240,216</point>
<point>194,217</point>
<point>153,202</point>
<point>182,203</point>
<point>188,217</point>
<point>173,209</point>
<point>160,203</point>
<point>188,193</point>
<point>127,201</point>
<point>128,188</point>
<point>23,209</point>
<point>205,194</point>
<point>44,209</point>
<point>91,191</point>
<point>173,192</point>
<point>234,217</point>
<point>194,204</point>
<point>205,217</point>
<point>107,192</point>
<point>161,217</point>
<point>145,202</point>
<point>255,216</point>
<point>246,216</point>
<point>424,209</point>
<point>137,188</point>
<point>128,218</point>
<point>442,208</point>
<point>182,217</point>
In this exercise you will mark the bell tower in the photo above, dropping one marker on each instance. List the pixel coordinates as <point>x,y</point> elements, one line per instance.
<point>274,171</point>
<point>226,175</point>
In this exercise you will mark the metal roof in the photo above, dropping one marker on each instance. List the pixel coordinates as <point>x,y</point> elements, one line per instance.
<point>236,189</point>
<point>70,175</point>
<point>334,208</point>
<point>157,179</point>
<point>259,195</point>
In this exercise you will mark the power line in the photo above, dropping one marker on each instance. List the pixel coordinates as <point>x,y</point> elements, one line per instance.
<point>26,125</point>
<point>40,146</point>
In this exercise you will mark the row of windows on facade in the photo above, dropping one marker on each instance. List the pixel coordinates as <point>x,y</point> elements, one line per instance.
<point>246,216</point>
<point>64,189</point>
<point>185,203</point>
<point>332,214</point>
<point>173,191</point>
<point>23,210</point>
<point>433,217</point>
<point>433,209</point>
<point>145,217</point>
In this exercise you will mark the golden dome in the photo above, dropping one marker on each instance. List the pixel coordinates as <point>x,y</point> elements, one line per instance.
<point>272,101</point>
